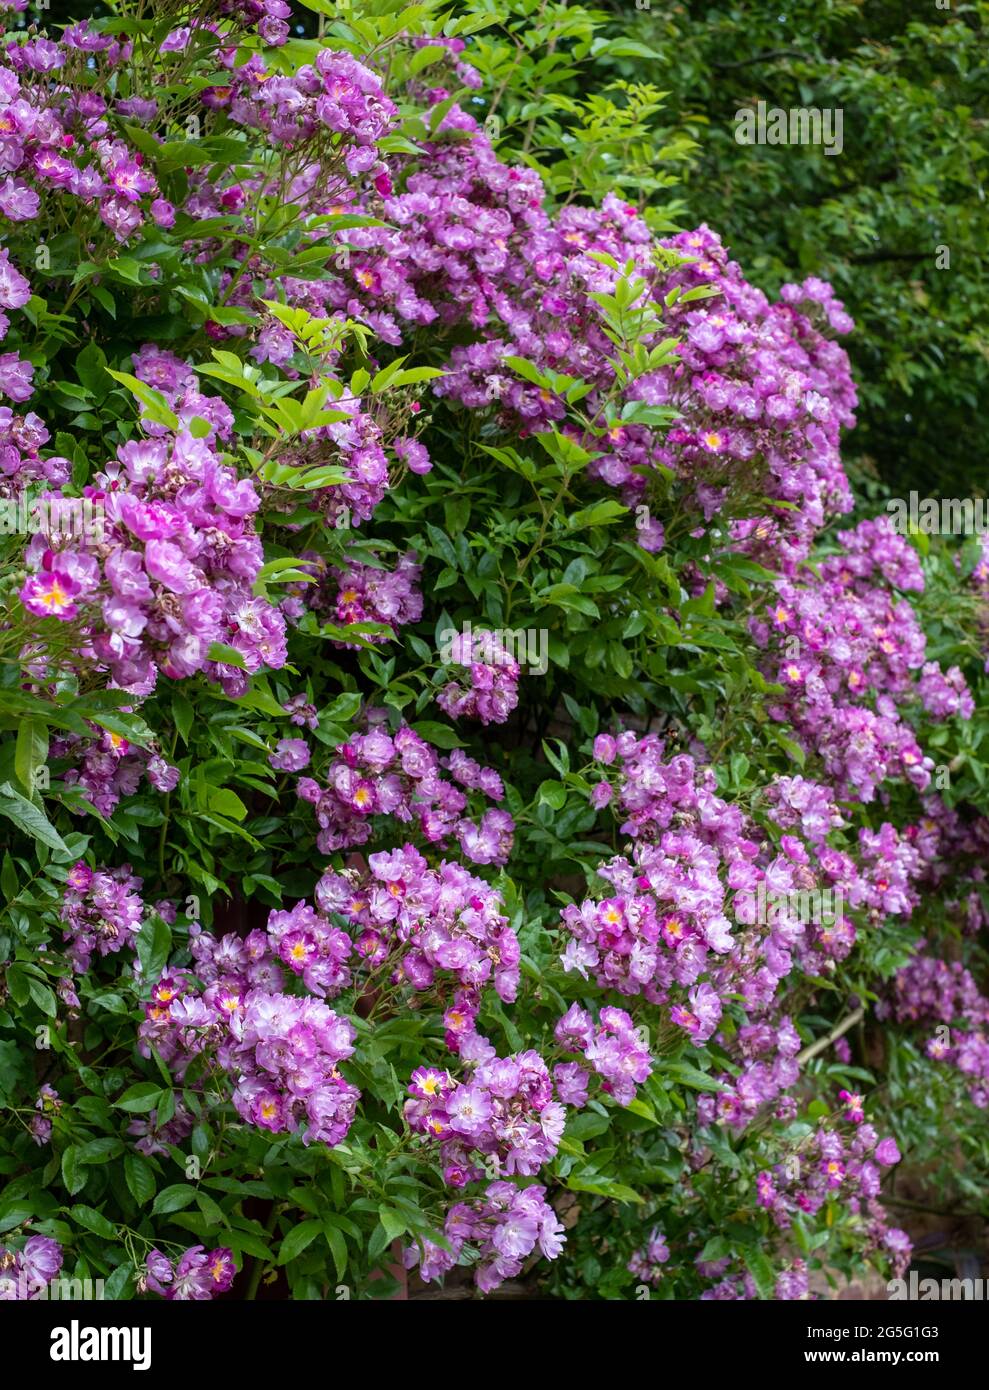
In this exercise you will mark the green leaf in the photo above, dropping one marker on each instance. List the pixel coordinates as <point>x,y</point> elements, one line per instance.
<point>526,369</point>
<point>120,1283</point>
<point>30,752</point>
<point>344,708</point>
<point>604,1187</point>
<point>440,735</point>
<point>165,1108</point>
<point>600,514</point>
<point>156,407</point>
<point>393,1221</point>
<point>43,997</point>
<point>245,1242</point>
<point>761,1271</point>
<point>442,545</point>
<point>297,1239</point>
<point>229,656</point>
<point>126,269</point>
<point>154,942</point>
<point>183,714</point>
<point>18,984</point>
<point>173,1198</point>
<point>103,296</point>
<point>377,1242</point>
<point>227,803</point>
<point>90,368</point>
<point>8,878</point>
<point>687,1075</point>
<point>554,794</point>
<point>30,819</point>
<point>425,57</point>
<point>93,1221</point>
<point>140,1098</point>
<point>140,1178</point>
<point>74,1173</point>
<point>338,1246</point>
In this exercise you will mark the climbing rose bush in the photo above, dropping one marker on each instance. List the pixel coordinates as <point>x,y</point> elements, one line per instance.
<point>475,811</point>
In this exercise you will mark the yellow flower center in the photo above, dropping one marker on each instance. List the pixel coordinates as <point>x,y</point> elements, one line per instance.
<point>56,597</point>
